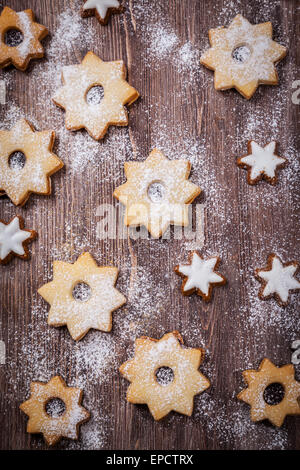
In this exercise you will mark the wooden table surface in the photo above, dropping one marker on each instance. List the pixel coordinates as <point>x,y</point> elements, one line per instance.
<point>179,112</point>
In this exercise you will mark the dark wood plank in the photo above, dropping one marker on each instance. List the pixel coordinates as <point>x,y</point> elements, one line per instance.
<point>180,112</point>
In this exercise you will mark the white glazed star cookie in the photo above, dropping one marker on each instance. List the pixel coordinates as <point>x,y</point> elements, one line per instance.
<point>259,380</point>
<point>54,428</point>
<point>101,9</point>
<point>200,275</point>
<point>243,56</point>
<point>14,239</point>
<point>278,279</point>
<point>33,175</point>
<point>151,357</point>
<point>79,80</point>
<point>261,162</point>
<point>157,193</point>
<point>82,296</point>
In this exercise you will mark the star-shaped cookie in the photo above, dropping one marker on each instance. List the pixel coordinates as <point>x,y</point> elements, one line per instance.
<point>40,163</point>
<point>30,47</point>
<point>14,239</point>
<point>152,355</point>
<point>200,275</point>
<point>102,9</point>
<point>98,299</point>
<point>243,56</point>
<point>258,381</point>
<point>261,162</point>
<point>157,193</point>
<point>54,428</point>
<point>278,279</point>
<point>79,80</point>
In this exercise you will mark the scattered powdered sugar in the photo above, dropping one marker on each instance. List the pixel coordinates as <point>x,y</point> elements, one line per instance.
<point>12,114</point>
<point>84,152</point>
<point>55,407</point>
<point>95,358</point>
<point>71,31</point>
<point>146,271</point>
<point>162,42</point>
<point>233,427</point>
<point>164,48</point>
<point>187,57</point>
<point>17,160</point>
<point>94,433</point>
<point>142,311</point>
<point>26,27</point>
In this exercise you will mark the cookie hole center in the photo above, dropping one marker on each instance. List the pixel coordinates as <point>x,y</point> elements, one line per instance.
<point>13,37</point>
<point>274,393</point>
<point>156,191</point>
<point>164,376</point>
<point>81,291</point>
<point>55,407</point>
<point>95,95</point>
<point>241,53</point>
<point>17,160</point>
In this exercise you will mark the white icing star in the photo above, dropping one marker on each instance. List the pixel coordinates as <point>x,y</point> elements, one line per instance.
<point>101,6</point>
<point>200,273</point>
<point>280,279</point>
<point>262,160</point>
<point>11,238</point>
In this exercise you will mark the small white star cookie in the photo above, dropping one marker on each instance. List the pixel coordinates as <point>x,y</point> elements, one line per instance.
<point>151,356</point>
<point>102,9</point>
<point>79,79</point>
<point>33,176</point>
<point>30,46</point>
<point>259,380</point>
<point>93,301</point>
<point>278,279</point>
<point>243,56</point>
<point>14,239</point>
<point>261,162</point>
<point>157,193</point>
<point>54,428</point>
<point>200,275</point>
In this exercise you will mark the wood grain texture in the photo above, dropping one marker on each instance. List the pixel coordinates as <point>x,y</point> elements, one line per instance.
<point>180,111</point>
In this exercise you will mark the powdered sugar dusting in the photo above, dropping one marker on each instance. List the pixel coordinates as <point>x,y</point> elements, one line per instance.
<point>26,25</point>
<point>146,266</point>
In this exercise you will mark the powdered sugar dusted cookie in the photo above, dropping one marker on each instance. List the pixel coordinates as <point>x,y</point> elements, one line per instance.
<point>102,9</point>
<point>157,193</point>
<point>14,239</point>
<point>255,395</point>
<point>200,275</point>
<point>261,162</point>
<point>243,56</point>
<point>82,296</point>
<point>26,162</point>
<point>54,410</point>
<point>26,44</point>
<point>95,116</point>
<point>278,279</point>
<point>164,375</point>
